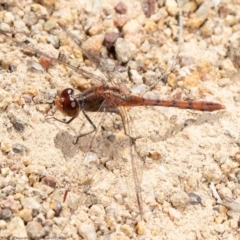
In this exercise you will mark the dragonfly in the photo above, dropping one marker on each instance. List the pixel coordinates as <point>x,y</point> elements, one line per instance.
<point>109,98</point>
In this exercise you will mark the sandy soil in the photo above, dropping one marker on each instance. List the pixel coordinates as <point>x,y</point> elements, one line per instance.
<point>178,152</point>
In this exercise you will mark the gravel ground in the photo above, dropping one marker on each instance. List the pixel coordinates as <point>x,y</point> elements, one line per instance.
<point>188,161</point>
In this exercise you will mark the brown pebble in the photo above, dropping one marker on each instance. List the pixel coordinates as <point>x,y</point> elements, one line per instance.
<point>121,8</point>
<point>50,181</point>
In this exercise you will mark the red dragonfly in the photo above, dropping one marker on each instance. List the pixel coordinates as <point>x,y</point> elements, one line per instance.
<point>112,98</point>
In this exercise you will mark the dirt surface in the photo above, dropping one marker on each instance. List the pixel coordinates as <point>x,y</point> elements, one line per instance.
<point>177,154</point>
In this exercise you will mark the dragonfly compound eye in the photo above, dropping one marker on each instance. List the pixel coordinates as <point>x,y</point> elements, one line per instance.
<point>67,104</point>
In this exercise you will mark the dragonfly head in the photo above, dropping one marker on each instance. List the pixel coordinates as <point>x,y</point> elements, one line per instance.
<point>67,104</point>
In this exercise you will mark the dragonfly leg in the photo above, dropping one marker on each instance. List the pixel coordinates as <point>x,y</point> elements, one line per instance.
<point>85,134</point>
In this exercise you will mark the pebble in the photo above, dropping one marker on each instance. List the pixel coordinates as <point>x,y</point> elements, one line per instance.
<point>121,8</point>
<point>17,228</point>
<point>135,76</point>
<point>35,230</point>
<point>30,18</point>
<point>228,167</point>
<point>36,169</point>
<point>194,199</point>
<point>192,79</point>
<point>127,230</point>
<point>50,214</point>
<point>50,24</point>
<point>200,16</point>
<point>5,171</point>
<point>97,210</point>
<point>120,20</point>
<point>223,82</point>
<point>8,17</point>
<point>87,231</point>
<point>110,39</point>
<point>179,199</point>
<point>40,11</point>
<point>26,214</point>
<point>4,27</point>
<point>94,44</point>
<point>31,203</point>
<point>172,80</point>
<point>174,213</point>
<point>3,224</point>
<point>134,32</point>
<point>212,173</point>
<point>224,192</point>
<point>227,69</point>
<point>150,26</point>
<point>140,228</point>
<point>207,28</point>
<point>50,181</point>
<point>189,7</point>
<point>5,213</point>
<point>124,50</point>
<point>171,7</point>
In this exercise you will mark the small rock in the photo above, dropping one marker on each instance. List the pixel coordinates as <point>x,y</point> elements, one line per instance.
<point>194,199</point>
<point>140,228</point>
<point>192,79</point>
<point>17,228</point>
<point>225,192</point>
<point>97,210</point>
<point>222,209</point>
<point>3,225</point>
<point>174,213</point>
<point>124,50</point>
<point>26,214</point>
<point>30,18</point>
<point>207,28</point>
<point>8,17</point>
<point>93,46</point>
<point>5,171</point>
<point>121,8</point>
<point>36,169</point>
<point>87,231</point>
<point>73,201</point>
<point>57,207</point>
<point>5,213</point>
<point>53,40</point>
<point>35,230</point>
<point>120,20</point>
<point>40,11</point>
<point>233,224</point>
<point>212,173</point>
<point>134,32</point>
<point>110,39</point>
<point>50,181</point>
<point>189,7</point>
<point>127,230</point>
<point>171,7</point>
<point>229,167</point>
<point>200,16</point>
<point>227,69</point>
<point>4,27</point>
<point>31,203</point>
<point>219,228</point>
<point>223,82</point>
<point>6,146</point>
<point>150,26</point>
<point>95,29</point>
<point>172,80</point>
<point>50,214</point>
<point>179,199</point>
<point>135,76</point>
<point>50,24</point>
